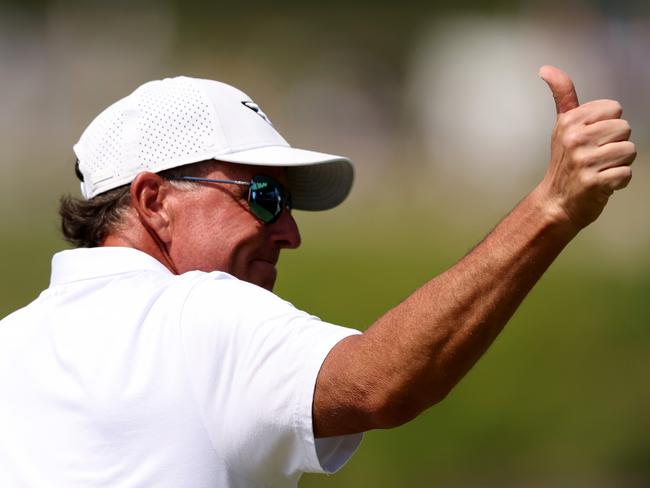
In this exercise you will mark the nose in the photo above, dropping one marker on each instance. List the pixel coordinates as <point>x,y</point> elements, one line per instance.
<point>284,232</point>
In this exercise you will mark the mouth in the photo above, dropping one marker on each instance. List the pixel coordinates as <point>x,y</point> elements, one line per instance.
<point>273,261</point>
<point>269,261</point>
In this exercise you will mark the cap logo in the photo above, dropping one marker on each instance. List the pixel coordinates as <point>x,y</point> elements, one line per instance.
<point>256,108</point>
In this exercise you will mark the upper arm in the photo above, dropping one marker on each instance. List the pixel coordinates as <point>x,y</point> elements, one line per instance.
<point>350,396</point>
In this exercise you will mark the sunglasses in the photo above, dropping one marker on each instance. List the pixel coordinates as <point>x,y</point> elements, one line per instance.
<point>267,198</point>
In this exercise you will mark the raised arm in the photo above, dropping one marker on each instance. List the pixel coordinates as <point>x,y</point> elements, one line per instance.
<point>414,355</point>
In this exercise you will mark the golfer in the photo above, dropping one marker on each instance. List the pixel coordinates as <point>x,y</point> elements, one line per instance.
<point>159,357</point>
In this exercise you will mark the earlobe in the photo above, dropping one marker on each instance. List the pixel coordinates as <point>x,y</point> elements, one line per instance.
<point>148,199</point>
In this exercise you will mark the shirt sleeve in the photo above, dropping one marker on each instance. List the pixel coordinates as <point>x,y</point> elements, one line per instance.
<point>253,360</point>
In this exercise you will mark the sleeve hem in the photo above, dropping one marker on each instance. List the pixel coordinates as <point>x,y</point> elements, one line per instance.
<point>329,454</point>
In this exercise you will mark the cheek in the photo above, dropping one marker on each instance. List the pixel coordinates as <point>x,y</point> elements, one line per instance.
<point>195,252</point>
<point>220,236</point>
<point>198,243</point>
<point>247,256</point>
<point>242,253</point>
<point>234,249</point>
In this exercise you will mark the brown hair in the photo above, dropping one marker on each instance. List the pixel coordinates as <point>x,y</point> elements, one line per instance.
<point>85,223</point>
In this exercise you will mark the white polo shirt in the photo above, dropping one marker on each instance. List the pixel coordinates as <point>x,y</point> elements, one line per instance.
<point>122,374</point>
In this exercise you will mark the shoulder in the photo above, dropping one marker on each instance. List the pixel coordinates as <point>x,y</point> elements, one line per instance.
<point>231,295</point>
<point>218,303</point>
<point>221,307</point>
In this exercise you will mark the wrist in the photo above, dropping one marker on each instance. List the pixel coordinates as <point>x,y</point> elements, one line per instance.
<point>551,213</point>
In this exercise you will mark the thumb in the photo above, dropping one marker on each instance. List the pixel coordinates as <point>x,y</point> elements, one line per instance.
<point>561,86</point>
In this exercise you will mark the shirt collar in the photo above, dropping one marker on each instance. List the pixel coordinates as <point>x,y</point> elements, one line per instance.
<point>87,263</point>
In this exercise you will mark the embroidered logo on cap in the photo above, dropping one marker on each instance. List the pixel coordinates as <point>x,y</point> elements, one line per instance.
<point>256,108</point>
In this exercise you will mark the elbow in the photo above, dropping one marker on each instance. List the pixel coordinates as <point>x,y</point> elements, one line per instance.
<point>388,415</point>
<point>388,410</point>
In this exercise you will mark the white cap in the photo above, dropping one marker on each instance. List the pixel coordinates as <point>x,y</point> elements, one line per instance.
<point>176,121</point>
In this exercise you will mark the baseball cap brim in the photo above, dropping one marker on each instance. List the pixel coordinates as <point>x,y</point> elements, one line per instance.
<point>318,181</point>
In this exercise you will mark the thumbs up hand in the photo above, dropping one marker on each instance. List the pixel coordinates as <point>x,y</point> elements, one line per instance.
<point>590,152</point>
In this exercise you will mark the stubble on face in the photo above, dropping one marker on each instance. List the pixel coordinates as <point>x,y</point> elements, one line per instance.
<point>215,231</point>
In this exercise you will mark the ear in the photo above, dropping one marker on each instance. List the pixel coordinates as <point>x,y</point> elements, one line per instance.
<point>149,198</point>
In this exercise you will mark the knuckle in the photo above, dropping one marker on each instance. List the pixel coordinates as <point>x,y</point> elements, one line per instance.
<point>573,139</point>
<point>624,179</point>
<point>565,120</point>
<point>625,127</point>
<point>587,180</point>
<point>629,151</point>
<point>584,159</point>
<point>628,176</point>
<point>615,107</point>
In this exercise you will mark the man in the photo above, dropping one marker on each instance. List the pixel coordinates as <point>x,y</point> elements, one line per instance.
<point>153,359</point>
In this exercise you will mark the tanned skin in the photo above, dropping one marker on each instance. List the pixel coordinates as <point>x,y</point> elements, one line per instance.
<point>412,357</point>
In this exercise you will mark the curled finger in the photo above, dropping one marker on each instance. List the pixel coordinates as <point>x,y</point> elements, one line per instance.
<point>596,110</point>
<point>614,154</point>
<point>606,131</point>
<point>616,178</point>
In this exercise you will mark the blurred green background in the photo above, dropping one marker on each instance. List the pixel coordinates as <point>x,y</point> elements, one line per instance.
<point>443,113</point>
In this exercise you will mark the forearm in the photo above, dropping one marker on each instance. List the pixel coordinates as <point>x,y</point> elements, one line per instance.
<point>452,319</point>
<point>414,354</point>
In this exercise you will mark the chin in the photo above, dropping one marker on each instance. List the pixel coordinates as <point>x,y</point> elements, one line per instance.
<point>262,274</point>
<point>266,284</point>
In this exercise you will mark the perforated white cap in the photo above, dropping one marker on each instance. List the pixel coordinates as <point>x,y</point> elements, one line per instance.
<point>176,121</point>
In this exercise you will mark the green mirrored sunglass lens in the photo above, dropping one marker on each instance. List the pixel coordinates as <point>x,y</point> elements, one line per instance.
<point>267,198</point>
<point>260,212</point>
